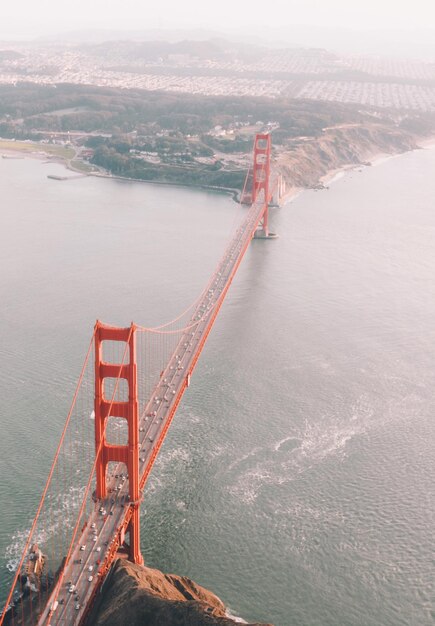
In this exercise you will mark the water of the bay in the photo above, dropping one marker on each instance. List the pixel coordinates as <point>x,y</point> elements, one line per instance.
<point>296,481</point>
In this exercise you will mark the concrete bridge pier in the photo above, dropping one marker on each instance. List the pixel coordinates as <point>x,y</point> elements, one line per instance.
<point>262,234</point>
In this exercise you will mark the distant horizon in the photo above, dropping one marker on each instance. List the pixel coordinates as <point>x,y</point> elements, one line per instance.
<point>413,43</point>
<point>274,21</point>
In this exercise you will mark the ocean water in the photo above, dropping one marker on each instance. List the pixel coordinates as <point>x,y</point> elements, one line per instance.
<point>296,481</point>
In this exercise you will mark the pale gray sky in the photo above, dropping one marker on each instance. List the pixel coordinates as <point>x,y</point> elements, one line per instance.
<point>27,17</point>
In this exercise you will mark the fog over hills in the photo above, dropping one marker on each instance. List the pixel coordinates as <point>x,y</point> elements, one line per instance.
<point>412,43</point>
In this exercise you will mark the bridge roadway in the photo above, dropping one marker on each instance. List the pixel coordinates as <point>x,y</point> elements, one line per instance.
<point>102,533</point>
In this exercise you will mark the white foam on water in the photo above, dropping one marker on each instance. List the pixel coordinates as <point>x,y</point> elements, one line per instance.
<point>319,442</point>
<point>193,418</point>
<point>293,197</point>
<point>15,549</point>
<point>167,464</point>
<point>281,442</point>
<point>12,565</point>
<point>379,160</point>
<point>244,457</point>
<point>63,515</point>
<point>336,177</point>
<point>249,484</point>
<point>277,464</point>
<point>237,619</point>
<point>174,455</point>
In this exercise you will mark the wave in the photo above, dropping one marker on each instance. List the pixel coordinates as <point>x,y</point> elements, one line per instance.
<point>237,619</point>
<point>61,518</point>
<point>299,451</point>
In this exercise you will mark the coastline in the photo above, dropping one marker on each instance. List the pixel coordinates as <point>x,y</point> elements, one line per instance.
<point>22,150</point>
<point>227,190</point>
<point>375,159</point>
<point>137,594</point>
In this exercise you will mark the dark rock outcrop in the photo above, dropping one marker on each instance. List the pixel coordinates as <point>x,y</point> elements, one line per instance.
<point>141,596</point>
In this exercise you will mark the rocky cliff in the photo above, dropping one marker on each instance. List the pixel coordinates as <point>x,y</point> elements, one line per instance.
<point>304,160</point>
<point>141,596</point>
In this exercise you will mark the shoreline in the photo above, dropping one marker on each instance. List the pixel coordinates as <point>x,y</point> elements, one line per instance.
<point>227,190</point>
<point>23,150</point>
<point>373,160</point>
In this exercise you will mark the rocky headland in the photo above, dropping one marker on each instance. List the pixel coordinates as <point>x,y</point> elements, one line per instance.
<point>136,595</point>
<point>305,161</point>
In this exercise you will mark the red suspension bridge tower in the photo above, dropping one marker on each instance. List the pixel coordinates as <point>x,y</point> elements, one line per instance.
<point>106,408</point>
<point>261,175</point>
<point>263,184</point>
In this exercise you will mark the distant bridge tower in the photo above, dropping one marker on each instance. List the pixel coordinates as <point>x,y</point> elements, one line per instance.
<point>128,410</point>
<point>261,179</point>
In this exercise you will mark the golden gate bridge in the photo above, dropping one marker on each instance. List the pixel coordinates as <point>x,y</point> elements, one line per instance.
<point>128,391</point>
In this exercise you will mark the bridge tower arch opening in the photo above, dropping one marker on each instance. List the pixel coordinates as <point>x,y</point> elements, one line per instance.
<point>105,407</point>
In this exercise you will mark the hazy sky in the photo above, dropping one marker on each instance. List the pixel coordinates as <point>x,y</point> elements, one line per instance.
<point>43,16</point>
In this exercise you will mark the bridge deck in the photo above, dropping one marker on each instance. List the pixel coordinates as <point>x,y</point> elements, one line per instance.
<point>102,535</point>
